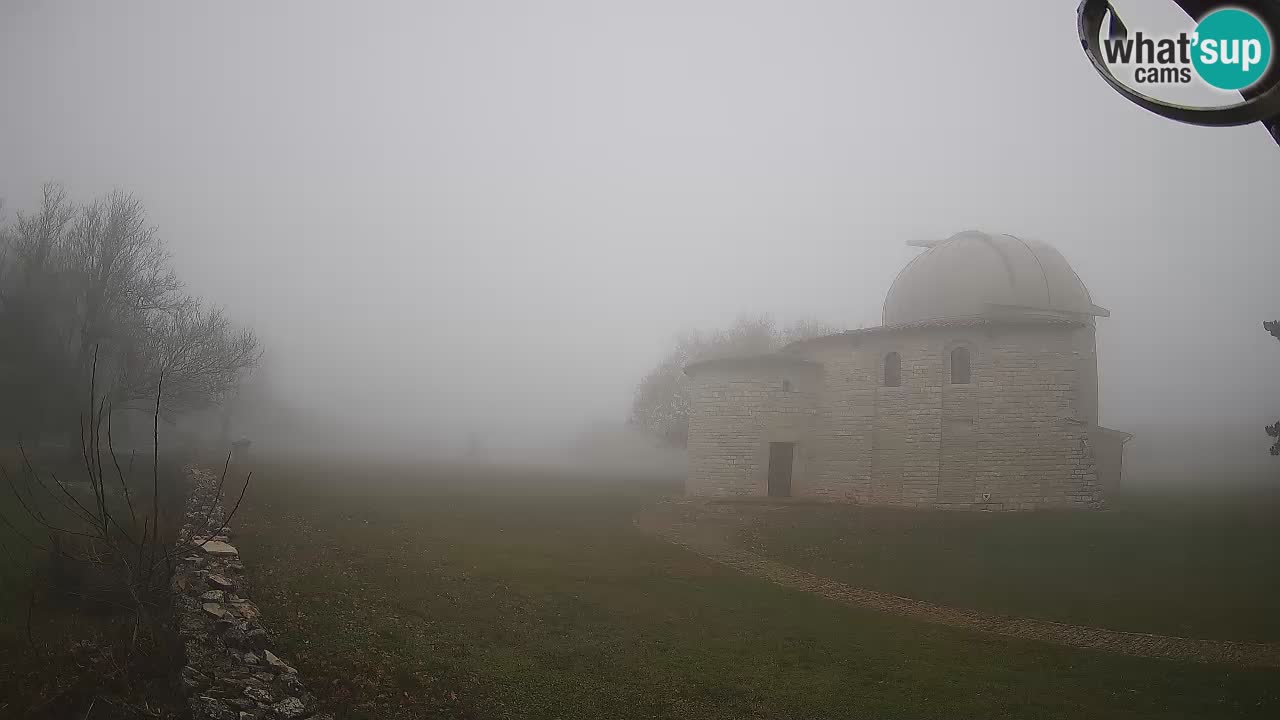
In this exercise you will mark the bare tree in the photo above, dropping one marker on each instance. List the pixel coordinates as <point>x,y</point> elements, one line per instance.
<point>124,281</point>
<point>201,356</point>
<point>107,532</point>
<point>92,286</point>
<point>36,318</point>
<point>660,406</point>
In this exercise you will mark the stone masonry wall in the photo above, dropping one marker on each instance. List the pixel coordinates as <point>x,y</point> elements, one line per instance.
<point>231,671</point>
<point>1015,437</point>
<point>1032,448</point>
<point>734,417</point>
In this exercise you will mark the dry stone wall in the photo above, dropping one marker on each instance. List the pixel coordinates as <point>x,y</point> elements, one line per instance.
<point>232,673</point>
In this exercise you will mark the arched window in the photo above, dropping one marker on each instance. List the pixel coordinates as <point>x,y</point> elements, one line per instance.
<point>892,370</point>
<point>960,366</point>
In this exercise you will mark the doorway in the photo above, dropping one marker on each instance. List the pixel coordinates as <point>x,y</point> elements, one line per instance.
<point>781,457</point>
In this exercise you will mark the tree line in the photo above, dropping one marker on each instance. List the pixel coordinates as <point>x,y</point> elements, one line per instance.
<point>87,290</point>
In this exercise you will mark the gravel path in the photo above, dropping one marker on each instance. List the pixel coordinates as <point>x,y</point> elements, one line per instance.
<point>707,530</point>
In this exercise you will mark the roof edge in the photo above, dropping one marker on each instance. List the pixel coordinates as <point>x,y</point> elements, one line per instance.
<point>941,323</point>
<point>1124,436</point>
<point>749,362</point>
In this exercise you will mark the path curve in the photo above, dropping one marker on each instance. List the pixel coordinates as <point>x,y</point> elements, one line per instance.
<point>701,528</point>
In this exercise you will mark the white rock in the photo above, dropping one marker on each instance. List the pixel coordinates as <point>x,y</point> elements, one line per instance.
<point>219,582</point>
<point>217,547</point>
<point>276,663</point>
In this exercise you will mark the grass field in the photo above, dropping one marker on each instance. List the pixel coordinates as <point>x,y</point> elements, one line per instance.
<point>1186,567</point>
<point>406,592</point>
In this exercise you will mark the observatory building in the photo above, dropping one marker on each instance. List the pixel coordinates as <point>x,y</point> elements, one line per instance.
<point>979,390</point>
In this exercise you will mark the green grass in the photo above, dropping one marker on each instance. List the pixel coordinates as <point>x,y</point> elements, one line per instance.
<point>411,592</point>
<point>1194,569</point>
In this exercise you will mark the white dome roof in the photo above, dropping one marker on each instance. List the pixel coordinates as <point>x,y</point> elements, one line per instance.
<point>976,274</point>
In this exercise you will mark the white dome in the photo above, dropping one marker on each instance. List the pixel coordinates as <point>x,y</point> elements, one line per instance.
<point>976,274</point>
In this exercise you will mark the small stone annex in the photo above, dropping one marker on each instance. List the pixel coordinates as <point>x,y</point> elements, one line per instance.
<point>980,390</point>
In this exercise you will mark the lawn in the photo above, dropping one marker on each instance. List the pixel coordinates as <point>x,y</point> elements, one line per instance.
<point>404,592</point>
<point>1191,568</point>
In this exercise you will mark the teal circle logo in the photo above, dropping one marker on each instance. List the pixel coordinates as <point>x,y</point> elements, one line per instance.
<point>1232,49</point>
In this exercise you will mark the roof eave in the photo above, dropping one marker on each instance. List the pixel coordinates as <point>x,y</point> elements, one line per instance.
<point>751,362</point>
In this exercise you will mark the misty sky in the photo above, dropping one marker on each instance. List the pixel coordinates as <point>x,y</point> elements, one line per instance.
<point>445,215</point>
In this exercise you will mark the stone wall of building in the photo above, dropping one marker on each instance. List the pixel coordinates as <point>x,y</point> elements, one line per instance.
<point>735,413</point>
<point>1015,437</point>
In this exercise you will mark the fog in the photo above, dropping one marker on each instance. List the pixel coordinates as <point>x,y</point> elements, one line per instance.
<point>448,217</point>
